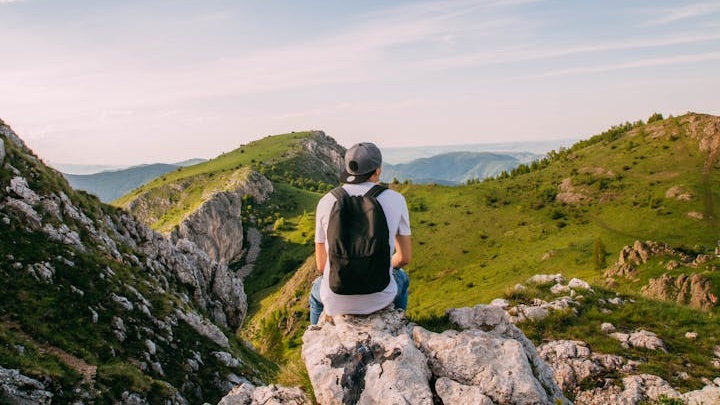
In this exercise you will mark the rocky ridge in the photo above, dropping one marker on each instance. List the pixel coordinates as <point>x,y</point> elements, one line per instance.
<point>163,308</point>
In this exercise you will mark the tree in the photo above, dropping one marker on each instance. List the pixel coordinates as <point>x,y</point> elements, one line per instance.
<point>655,117</point>
<point>599,254</point>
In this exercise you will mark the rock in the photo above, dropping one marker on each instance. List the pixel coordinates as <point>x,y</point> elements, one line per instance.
<point>483,317</point>
<point>544,279</point>
<point>691,335</point>
<point>122,301</point>
<point>204,327</point>
<point>366,359</point>
<point>694,290</point>
<point>227,359</point>
<point>16,388</point>
<point>19,186</point>
<point>7,132</point>
<point>639,253</point>
<point>247,394</point>
<point>679,193</point>
<point>151,347</point>
<point>710,394</point>
<point>607,328</point>
<point>215,227</point>
<point>452,392</point>
<point>638,389</point>
<point>2,151</point>
<point>572,362</point>
<point>533,313</point>
<point>641,339</point>
<point>500,302</point>
<point>381,358</point>
<point>559,289</point>
<point>576,283</point>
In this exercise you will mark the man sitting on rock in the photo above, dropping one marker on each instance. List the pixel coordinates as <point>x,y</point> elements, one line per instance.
<point>363,163</point>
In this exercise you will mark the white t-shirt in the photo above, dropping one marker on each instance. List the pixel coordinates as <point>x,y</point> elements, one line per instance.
<point>398,219</point>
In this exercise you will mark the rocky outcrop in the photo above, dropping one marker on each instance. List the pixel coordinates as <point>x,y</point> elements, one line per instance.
<point>215,227</point>
<point>2,151</point>
<point>324,155</point>
<point>633,256</point>
<point>382,358</point>
<point>613,378</point>
<point>17,389</point>
<point>694,290</point>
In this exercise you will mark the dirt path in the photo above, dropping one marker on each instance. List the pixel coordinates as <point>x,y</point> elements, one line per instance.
<point>88,371</point>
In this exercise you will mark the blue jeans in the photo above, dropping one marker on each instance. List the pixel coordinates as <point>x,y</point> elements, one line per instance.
<point>401,299</point>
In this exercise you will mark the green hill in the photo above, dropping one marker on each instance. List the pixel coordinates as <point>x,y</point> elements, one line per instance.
<point>571,213</point>
<point>473,242</point>
<point>294,159</point>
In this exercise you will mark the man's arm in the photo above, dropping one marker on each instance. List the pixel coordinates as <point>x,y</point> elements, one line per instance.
<point>403,251</point>
<point>320,256</point>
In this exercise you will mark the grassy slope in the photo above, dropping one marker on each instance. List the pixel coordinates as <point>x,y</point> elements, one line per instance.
<point>473,243</point>
<point>185,189</point>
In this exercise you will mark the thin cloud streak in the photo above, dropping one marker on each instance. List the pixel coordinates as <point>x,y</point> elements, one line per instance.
<point>685,12</point>
<point>653,62</point>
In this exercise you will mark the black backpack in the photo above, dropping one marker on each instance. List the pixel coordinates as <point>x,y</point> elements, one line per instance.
<point>358,243</point>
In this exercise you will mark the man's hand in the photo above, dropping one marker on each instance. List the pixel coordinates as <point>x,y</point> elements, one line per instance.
<point>403,251</point>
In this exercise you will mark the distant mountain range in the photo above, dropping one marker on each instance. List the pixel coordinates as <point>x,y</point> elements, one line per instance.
<point>530,148</point>
<point>441,164</point>
<point>455,167</point>
<point>109,185</point>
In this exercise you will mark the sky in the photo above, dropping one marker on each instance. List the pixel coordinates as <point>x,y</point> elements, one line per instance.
<point>144,81</point>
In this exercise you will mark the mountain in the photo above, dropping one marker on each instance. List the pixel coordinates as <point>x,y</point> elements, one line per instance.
<point>525,151</point>
<point>110,185</point>
<point>451,168</point>
<point>631,210</point>
<point>98,308</point>
<point>212,202</point>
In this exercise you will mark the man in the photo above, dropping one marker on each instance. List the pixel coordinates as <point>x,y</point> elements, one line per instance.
<point>363,165</point>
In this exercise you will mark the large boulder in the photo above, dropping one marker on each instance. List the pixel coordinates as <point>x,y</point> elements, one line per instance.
<point>383,358</point>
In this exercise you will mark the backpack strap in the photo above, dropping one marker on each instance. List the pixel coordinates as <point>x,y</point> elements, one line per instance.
<point>375,191</point>
<point>339,192</point>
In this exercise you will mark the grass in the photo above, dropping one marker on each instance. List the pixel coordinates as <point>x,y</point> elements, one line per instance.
<point>472,241</point>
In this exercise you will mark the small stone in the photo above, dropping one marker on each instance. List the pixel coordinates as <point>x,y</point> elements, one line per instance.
<point>691,335</point>
<point>607,328</point>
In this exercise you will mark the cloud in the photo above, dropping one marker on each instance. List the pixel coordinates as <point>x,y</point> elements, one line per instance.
<point>11,1</point>
<point>684,12</point>
<point>642,63</point>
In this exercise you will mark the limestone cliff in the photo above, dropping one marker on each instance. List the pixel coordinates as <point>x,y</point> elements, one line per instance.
<point>206,206</point>
<point>86,285</point>
<point>216,226</point>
